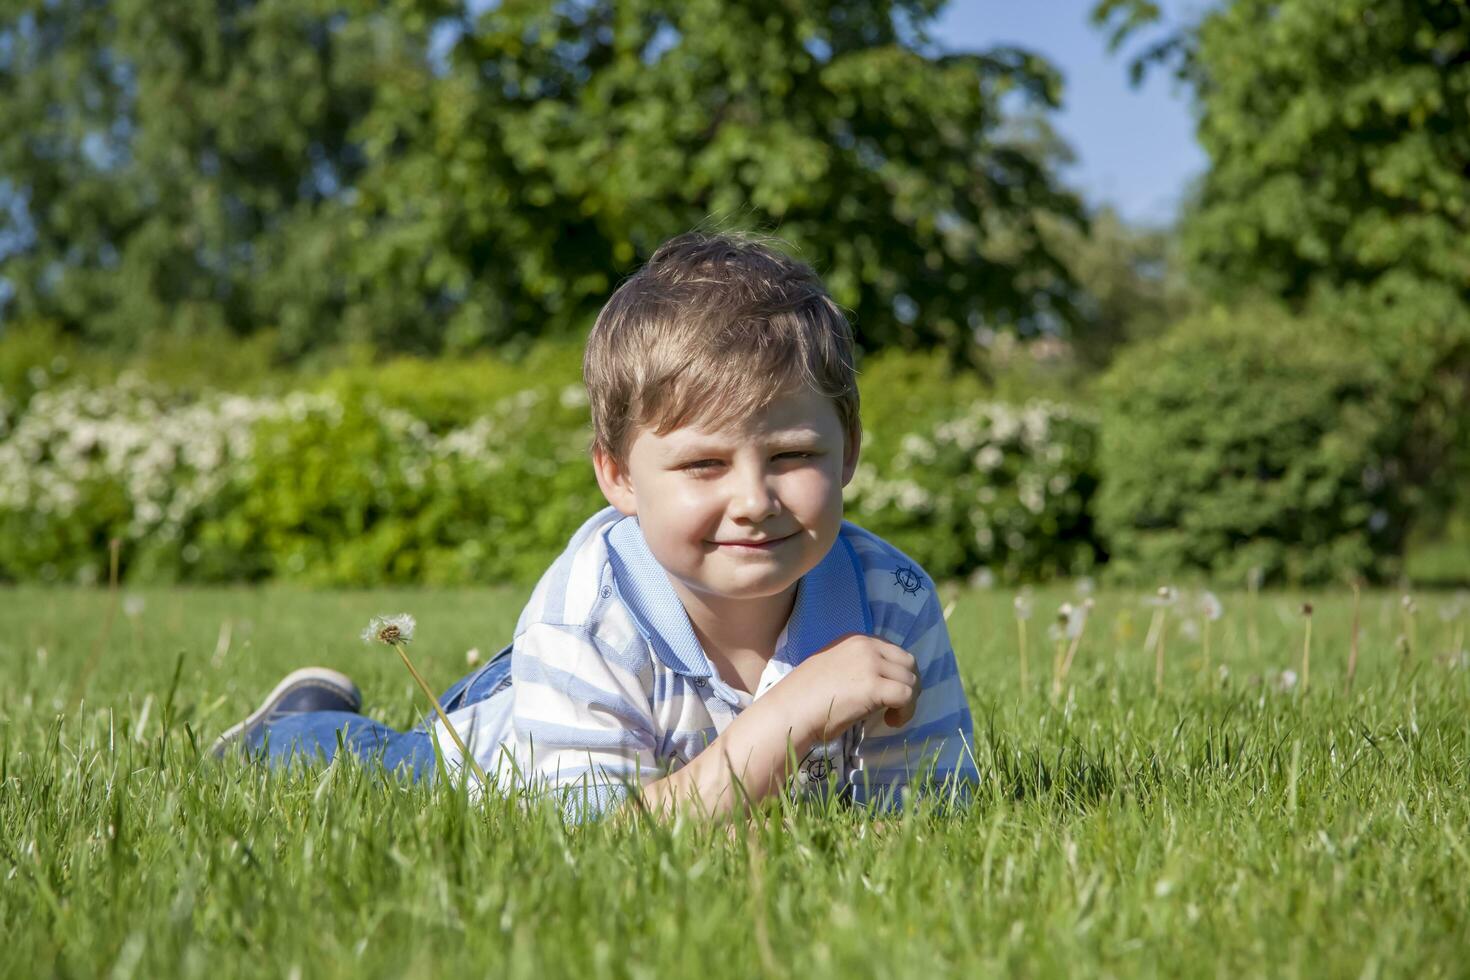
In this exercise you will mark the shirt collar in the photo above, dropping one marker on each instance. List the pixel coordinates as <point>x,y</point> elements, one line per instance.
<point>830,602</point>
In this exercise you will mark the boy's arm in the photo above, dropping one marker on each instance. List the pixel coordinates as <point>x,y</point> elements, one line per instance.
<point>831,690</point>
<point>938,740</point>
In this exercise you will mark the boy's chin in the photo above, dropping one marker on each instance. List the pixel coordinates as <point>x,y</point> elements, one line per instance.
<point>751,586</point>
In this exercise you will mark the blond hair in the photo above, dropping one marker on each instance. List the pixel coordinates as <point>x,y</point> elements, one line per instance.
<point>710,332</point>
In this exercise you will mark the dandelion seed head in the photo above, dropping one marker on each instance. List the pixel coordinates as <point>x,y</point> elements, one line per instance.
<point>133,606</point>
<point>1022,605</point>
<point>1077,618</point>
<point>1210,606</point>
<point>390,629</point>
<point>983,578</point>
<point>472,657</point>
<point>1407,602</point>
<point>1286,681</point>
<point>1166,596</point>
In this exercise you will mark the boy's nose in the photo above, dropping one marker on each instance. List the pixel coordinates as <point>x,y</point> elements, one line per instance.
<point>753,499</point>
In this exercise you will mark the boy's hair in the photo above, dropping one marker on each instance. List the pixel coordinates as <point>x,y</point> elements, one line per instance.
<point>711,331</point>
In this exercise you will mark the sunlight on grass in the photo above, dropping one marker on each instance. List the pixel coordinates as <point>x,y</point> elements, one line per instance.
<point>1232,822</point>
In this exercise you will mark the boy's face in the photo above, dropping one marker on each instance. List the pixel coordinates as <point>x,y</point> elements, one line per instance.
<point>740,514</point>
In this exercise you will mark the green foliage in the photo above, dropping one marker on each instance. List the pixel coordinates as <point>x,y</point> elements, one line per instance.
<point>908,391</point>
<point>180,167</point>
<point>448,393</point>
<point>422,178</point>
<point>1339,135</point>
<point>1253,440</point>
<point>476,471</point>
<point>992,489</point>
<point>354,494</point>
<point>1130,280</point>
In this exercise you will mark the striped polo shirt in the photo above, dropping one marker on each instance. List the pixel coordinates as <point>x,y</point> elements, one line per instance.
<point>611,689</point>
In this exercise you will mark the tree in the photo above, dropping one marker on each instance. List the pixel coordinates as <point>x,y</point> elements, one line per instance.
<point>425,177</point>
<point>1339,181</point>
<point>171,165</point>
<point>1339,139</point>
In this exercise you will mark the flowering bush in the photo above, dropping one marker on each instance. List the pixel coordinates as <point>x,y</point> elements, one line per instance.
<point>997,487</point>
<point>83,465</point>
<point>347,486</point>
<point>313,487</point>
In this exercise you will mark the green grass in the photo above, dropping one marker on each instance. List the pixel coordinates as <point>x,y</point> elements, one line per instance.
<point>1220,828</point>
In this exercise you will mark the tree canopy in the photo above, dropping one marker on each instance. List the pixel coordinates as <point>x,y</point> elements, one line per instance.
<point>429,175</point>
<point>1338,133</point>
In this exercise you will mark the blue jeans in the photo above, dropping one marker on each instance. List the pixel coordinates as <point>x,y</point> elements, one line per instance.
<point>312,735</point>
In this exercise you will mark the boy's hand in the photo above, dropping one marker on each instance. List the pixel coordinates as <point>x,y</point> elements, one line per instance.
<point>847,681</point>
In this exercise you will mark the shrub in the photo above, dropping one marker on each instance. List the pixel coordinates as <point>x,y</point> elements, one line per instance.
<point>448,393</point>
<point>354,493</point>
<point>1252,440</point>
<point>476,472</point>
<point>84,465</point>
<point>995,487</point>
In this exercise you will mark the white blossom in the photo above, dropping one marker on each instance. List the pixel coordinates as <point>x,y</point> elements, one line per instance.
<point>389,629</point>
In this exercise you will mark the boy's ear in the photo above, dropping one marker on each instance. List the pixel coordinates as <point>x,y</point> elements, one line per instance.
<point>614,481</point>
<point>851,450</point>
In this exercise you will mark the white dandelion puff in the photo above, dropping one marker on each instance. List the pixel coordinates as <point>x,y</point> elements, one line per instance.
<point>390,629</point>
<point>472,657</point>
<point>1210,607</point>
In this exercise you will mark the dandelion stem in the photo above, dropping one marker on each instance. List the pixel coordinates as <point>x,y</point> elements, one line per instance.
<point>1056,668</point>
<point>1352,667</point>
<point>1307,649</point>
<point>1205,647</point>
<point>79,688</point>
<point>1072,651</point>
<point>423,686</point>
<point>1253,633</point>
<point>1159,652</point>
<point>1021,629</point>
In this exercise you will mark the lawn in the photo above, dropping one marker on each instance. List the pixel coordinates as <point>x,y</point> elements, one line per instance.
<point>1229,823</point>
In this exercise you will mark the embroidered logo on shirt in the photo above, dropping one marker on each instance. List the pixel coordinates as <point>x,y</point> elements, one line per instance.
<point>908,579</point>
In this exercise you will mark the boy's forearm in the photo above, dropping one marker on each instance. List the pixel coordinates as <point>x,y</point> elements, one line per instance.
<point>749,761</point>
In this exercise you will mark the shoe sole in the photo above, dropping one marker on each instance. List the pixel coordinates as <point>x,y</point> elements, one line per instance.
<point>323,676</point>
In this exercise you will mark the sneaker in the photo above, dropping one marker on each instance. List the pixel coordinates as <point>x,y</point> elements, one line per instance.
<point>307,689</point>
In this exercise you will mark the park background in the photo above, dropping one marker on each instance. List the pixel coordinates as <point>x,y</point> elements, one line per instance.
<point>1167,391</point>
<point>298,293</point>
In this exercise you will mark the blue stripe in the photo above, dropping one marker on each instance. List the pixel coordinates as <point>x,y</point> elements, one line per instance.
<point>896,620</point>
<point>633,657</point>
<point>859,576</point>
<point>951,725</point>
<point>938,670</point>
<point>926,619</point>
<point>579,691</point>
<point>558,738</point>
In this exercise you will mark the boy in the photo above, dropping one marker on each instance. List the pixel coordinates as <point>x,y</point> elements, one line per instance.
<point>719,620</point>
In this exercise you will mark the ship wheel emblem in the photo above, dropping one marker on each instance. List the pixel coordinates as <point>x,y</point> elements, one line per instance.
<point>908,579</point>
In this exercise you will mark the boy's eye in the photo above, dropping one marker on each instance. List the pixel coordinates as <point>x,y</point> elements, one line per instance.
<point>709,464</point>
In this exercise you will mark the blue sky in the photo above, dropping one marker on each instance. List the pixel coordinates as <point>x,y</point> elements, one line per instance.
<point>1135,148</point>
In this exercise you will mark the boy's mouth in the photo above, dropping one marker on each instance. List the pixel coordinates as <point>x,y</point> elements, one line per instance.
<point>764,544</point>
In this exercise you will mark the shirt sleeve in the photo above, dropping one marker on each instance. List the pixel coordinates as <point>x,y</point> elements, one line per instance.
<point>933,752</point>
<point>582,718</point>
